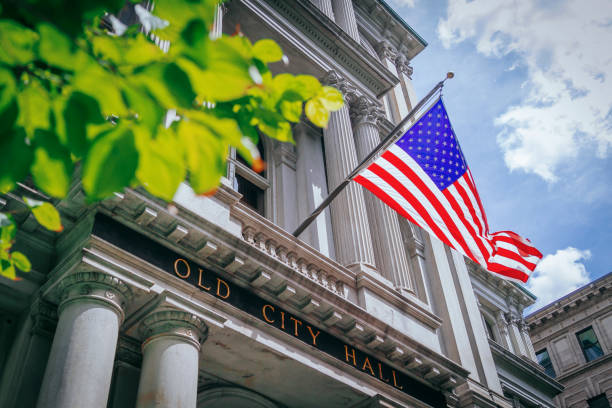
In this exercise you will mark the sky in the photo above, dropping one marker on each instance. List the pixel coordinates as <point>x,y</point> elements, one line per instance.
<point>531,105</point>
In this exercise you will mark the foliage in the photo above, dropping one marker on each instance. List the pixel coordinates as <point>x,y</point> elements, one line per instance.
<point>79,83</point>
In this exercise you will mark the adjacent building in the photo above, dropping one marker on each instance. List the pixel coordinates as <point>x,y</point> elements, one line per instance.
<point>213,303</point>
<point>572,338</point>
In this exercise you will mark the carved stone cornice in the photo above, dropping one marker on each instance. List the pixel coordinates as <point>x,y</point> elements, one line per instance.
<point>95,286</point>
<point>403,65</point>
<point>174,323</point>
<point>364,110</point>
<point>386,51</point>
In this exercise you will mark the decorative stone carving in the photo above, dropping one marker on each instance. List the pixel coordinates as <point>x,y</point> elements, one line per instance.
<point>333,78</point>
<point>403,65</point>
<point>174,323</point>
<point>386,51</point>
<point>366,110</point>
<point>98,286</point>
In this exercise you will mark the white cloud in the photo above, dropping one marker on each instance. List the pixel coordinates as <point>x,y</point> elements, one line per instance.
<point>565,48</point>
<point>557,275</point>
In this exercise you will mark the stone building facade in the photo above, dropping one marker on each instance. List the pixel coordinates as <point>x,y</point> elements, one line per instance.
<point>572,338</point>
<point>212,303</point>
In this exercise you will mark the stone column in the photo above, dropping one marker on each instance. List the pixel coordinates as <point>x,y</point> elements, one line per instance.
<point>502,325</point>
<point>80,365</point>
<point>389,250</point>
<point>388,55</point>
<point>514,320</point>
<point>169,373</point>
<point>352,238</point>
<point>524,328</point>
<point>325,6</point>
<point>404,72</point>
<point>345,17</point>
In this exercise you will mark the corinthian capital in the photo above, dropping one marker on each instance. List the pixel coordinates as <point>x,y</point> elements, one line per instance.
<point>366,110</point>
<point>386,50</point>
<point>333,78</point>
<point>403,65</point>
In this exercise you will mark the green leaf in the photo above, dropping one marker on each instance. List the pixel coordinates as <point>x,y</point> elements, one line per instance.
<point>102,87</point>
<point>161,165</point>
<point>331,98</point>
<point>168,83</point>
<point>8,104</point>
<point>7,270</point>
<point>73,118</point>
<point>307,85</point>
<point>180,13</point>
<point>45,213</point>
<point>316,112</point>
<point>52,166</point>
<point>110,164</point>
<point>221,83</point>
<point>267,51</point>
<point>34,108</point>
<point>292,111</point>
<point>205,155</point>
<point>8,231</point>
<point>144,106</point>
<point>126,52</point>
<point>21,261</point>
<point>58,50</point>
<point>17,158</point>
<point>16,43</point>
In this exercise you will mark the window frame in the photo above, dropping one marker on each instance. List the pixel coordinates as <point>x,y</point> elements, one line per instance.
<point>586,329</point>
<point>552,367</point>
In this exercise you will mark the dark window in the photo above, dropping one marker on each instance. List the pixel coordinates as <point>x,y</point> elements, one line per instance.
<point>589,344</point>
<point>544,361</point>
<point>600,401</point>
<point>252,195</point>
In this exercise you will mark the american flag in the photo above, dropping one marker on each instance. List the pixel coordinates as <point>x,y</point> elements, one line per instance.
<point>424,177</point>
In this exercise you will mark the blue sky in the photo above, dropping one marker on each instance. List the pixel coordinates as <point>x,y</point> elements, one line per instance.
<point>531,104</point>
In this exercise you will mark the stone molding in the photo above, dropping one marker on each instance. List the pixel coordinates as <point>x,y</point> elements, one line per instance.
<point>44,317</point>
<point>173,323</point>
<point>97,287</point>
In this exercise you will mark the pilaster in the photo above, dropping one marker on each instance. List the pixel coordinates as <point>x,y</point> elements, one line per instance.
<point>404,73</point>
<point>388,55</point>
<point>345,17</point>
<point>325,6</point>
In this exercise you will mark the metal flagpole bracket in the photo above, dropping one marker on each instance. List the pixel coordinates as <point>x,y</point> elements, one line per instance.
<point>386,142</point>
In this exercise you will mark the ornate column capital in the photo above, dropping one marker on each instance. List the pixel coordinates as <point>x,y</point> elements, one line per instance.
<point>364,110</point>
<point>174,323</point>
<point>334,79</point>
<point>402,63</point>
<point>386,50</point>
<point>95,286</point>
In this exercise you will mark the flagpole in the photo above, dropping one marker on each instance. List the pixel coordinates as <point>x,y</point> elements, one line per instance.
<point>390,138</point>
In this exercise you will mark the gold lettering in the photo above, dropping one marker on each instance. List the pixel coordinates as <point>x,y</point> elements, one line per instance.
<point>200,280</point>
<point>346,354</point>
<point>186,275</point>
<point>367,363</point>
<point>380,374</point>
<point>282,320</point>
<point>263,312</point>
<point>314,336</point>
<point>227,289</point>
<point>395,381</point>
<point>295,325</point>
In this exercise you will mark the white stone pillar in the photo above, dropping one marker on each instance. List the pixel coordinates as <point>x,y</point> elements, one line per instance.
<point>388,55</point>
<point>514,320</point>
<point>285,186</point>
<point>352,238</point>
<point>502,325</point>
<point>524,327</point>
<point>169,373</point>
<point>389,250</point>
<point>404,73</point>
<point>345,17</point>
<point>325,6</point>
<point>80,365</point>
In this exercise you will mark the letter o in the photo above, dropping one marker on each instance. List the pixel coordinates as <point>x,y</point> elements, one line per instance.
<point>186,275</point>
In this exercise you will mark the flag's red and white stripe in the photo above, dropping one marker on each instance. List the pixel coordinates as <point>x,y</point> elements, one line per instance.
<point>454,215</point>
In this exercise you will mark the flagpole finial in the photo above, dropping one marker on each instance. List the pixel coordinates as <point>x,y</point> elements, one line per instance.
<point>450,75</point>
